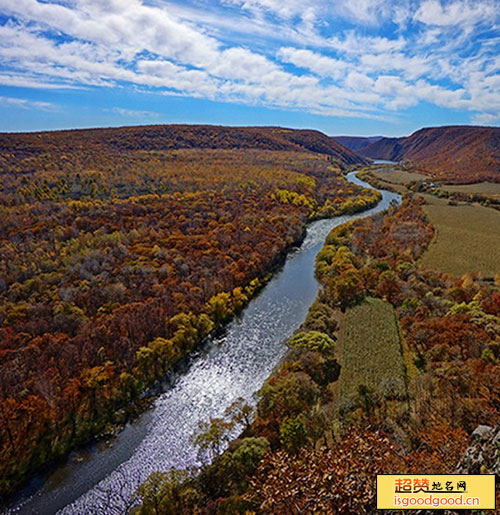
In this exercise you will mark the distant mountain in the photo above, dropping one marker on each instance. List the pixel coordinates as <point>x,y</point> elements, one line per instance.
<point>162,137</point>
<point>385,148</point>
<point>356,143</point>
<point>458,154</point>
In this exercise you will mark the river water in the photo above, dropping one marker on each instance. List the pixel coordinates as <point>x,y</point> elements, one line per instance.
<point>101,479</point>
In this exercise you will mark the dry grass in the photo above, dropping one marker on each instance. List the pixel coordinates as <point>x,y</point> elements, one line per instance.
<point>398,176</point>
<point>491,189</point>
<point>371,354</point>
<point>397,188</point>
<point>467,238</point>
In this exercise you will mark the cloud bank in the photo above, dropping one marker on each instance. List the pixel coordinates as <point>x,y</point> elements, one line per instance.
<point>352,58</point>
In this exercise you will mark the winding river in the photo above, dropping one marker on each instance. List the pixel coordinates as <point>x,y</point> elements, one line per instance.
<point>101,479</point>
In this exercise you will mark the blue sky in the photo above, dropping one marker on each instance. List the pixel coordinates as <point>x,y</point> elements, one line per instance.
<point>358,67</point>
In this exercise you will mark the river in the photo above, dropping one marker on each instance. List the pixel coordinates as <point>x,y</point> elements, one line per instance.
<point>101,478</point>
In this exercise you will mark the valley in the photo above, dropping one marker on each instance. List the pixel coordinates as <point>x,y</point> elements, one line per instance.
<point>249,257</point>
<point>222,304</point>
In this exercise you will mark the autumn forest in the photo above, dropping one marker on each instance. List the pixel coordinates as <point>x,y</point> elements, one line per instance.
<point>120,255</point>
<point>123,250</point>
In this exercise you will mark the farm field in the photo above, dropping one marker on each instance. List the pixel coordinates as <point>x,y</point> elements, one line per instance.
<point>391,178</point>
<point>380,181</point>
<point>398,176</point>
<point>371,353</point>
<point>467,238</point>
<point>482,188</point>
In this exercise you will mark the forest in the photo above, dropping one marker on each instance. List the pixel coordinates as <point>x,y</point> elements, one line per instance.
<point>459,154</point>
<point>320,415</point>
<point>121,250</point>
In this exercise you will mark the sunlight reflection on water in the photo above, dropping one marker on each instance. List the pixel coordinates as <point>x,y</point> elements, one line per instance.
<point>236,365</point>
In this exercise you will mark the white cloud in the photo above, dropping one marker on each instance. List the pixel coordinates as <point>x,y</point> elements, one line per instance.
<point>359,81</point>
<point>317,63</point>
<point>168,75</point>
<point>365,11</point>
<point>389,84</point>
<point>315,66</point>
<point>24,80</point>
<point>133,113</point>
<point>486,119</point>
<point>356,44</point>
<point>26,104</point>
<point>128,25</point>
<point>411,67</point>
<point>284,9</point>
<point>433,12</point>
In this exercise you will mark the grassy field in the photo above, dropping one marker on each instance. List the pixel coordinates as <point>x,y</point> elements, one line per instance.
<point>391,186</point>
<point>491,189</point>
<point>467,238</point>
<point>394,179</point>
<point>371,354</point>
<point>398,176</point>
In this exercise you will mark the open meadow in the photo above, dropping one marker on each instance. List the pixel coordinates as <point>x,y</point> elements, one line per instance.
<point>490,189</point>
<point>395,176</point>
<point>391,178</point>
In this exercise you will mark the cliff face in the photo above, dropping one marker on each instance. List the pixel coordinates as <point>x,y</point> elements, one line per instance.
<point>458,154</point>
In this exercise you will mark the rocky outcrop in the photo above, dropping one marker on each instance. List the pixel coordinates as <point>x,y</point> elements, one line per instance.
<point>483,454</point>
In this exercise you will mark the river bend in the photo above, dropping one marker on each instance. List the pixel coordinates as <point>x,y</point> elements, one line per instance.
<point>102,478</point>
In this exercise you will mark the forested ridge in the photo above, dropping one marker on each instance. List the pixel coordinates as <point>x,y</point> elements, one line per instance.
<point>17,149</point>
<point>122,249</point>
<point>311,448</point>
<point>456,154</point>
<point>356,143</point>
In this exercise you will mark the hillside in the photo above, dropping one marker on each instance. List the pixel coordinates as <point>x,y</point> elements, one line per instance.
<point>385,148</point>
<point>458,154</point>
<point>356,143</point>
<point>122,249</point>
<point>15,147</point>
<point>405,340</point>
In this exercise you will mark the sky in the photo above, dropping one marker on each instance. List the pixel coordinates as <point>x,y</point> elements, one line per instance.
<point>354,67</point>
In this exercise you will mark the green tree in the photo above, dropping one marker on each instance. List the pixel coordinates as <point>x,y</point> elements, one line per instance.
<point>240,412</point>
<point>313,341</point>
<point>165,493</point>
<point>287,395</point>
<point>292,434</point>
<point>212,437</point>
<point>246,457</point>
<point>345,289</point>
<point>219,306</point>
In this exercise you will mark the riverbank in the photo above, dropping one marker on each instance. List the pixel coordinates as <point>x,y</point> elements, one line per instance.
<point>125,416</point>
<point>296,406</point>
<point>466,225</point>
<point>412,337</point>
<point>322,225</point>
